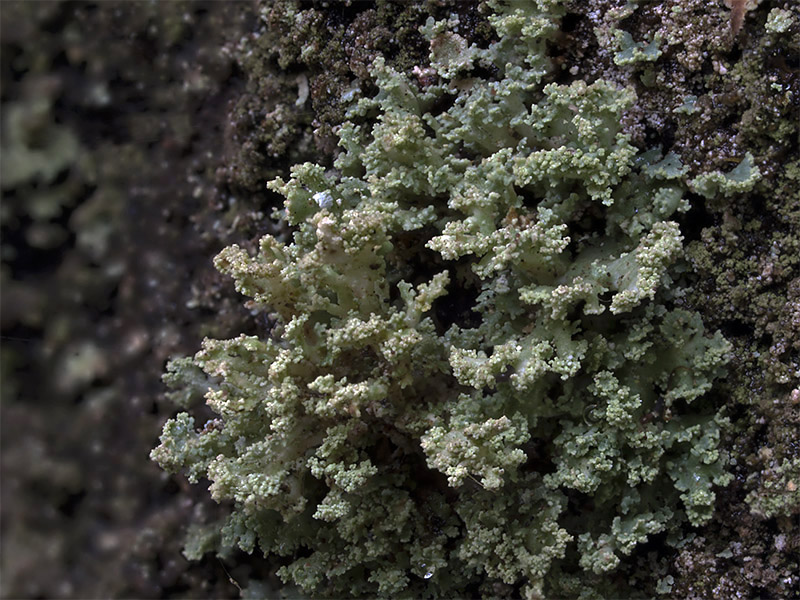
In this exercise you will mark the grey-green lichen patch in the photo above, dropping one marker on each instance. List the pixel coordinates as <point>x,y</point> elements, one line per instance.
<point>689,105</point>
<point>728,106</point>
<point>478,376</point>
<point>632,52</point>
<point>305,66</point>
<point>778,492</point>
<point>747,263</point>
<point>780,20</point>
<point>743,86</point>
<point>738,181</point>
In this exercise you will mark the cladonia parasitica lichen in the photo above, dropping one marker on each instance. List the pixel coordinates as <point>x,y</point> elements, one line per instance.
<point>478,372</point>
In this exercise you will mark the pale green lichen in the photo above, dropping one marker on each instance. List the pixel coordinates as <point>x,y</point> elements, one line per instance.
<point>778,493</point>
<point>631,52</point>
<point>689,106</point>
<point>779,20</point>
<point>476,335</point>
<point>739,180</point>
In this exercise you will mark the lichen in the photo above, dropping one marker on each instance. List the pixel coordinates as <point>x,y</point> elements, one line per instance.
<point>779,20</point>
<point>477,372</point>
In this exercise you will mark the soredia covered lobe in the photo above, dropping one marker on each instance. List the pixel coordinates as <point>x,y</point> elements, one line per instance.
<point>476,327</point>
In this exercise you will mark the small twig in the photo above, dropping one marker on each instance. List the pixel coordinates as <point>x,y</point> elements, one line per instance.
<point>231,579</point>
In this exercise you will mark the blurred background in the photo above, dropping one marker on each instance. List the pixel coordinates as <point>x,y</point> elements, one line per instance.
<point>113,116</point>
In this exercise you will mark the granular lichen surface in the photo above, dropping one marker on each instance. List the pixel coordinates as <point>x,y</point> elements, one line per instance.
<point>517,309</point>
<point>486,367</point>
